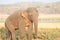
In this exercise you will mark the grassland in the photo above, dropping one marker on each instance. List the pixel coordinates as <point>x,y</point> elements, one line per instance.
<point>43,34</point>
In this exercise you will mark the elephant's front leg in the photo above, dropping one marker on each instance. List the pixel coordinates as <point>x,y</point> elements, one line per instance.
<point>22,30</point>
<point>22,33</point>
<point>30,30</point>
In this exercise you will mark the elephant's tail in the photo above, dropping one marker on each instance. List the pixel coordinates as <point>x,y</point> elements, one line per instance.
<point>6,25</point>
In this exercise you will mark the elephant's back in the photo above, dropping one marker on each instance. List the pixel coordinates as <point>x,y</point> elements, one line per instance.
<point>13,19</point>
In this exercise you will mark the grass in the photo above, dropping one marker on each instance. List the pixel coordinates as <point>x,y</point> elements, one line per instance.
<point>48,34</point>
<point>43,33</point>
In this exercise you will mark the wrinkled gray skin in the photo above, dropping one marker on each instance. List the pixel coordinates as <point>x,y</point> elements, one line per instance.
<point>16,21</point>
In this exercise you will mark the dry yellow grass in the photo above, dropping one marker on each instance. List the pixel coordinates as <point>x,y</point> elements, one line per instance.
<point>2,25</point>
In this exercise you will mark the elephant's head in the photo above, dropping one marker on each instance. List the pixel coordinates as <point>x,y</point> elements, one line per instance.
<point>33,13</point>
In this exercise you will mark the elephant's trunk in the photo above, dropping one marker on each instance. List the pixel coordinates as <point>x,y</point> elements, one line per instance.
<point>35,27</point>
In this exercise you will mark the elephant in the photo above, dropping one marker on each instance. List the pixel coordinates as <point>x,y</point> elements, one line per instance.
<point>21,19</point>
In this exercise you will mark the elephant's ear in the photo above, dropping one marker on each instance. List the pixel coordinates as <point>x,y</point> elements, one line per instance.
<point>27,21</point>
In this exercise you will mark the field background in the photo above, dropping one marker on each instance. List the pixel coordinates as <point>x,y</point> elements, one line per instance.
<point>48,20</point>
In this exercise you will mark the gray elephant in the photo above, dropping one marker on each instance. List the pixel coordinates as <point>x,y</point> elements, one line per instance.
<point>21,19</point>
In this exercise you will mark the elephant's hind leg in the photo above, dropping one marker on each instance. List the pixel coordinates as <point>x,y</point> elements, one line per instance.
<point>9,36</point>
<point>22,30</point>
<point>11,28</point>
<point>8,33</point>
